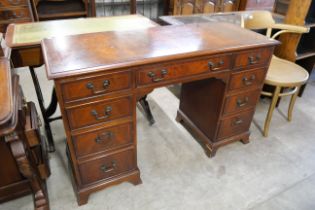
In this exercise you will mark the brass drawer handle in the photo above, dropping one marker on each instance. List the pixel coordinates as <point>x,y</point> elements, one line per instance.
<point>241,103</point>
<point>108,111</point>
<point>236,122</point>
<point>106,84</point>
<point>153,77</point>
<point>249,81</point>
<point>103,137</point>
<point>254,59</point>
<point>107,169</point>
<point>212,65</point>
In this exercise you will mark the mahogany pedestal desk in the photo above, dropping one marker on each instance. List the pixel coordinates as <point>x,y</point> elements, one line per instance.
<point>222,68</point>
<point>24,40</point>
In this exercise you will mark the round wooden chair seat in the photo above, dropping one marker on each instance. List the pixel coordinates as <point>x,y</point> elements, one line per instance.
<point>285,73</point>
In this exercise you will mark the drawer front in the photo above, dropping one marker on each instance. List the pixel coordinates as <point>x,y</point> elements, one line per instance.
<point>89,87</point>
<point>11,14</point>
<point>169,72</point>
<point>98,112</point>
<point>235,125</point>
<point>241,101</point>
<point>103,139</point>
<point>247,79</point>
<point>8,3</point>
<point>106,167</point>
<point>252,58</point>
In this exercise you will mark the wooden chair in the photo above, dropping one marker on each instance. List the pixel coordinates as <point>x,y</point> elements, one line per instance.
<point>282,74</point>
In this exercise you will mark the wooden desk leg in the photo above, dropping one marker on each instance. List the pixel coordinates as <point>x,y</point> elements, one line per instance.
<point>51,145</point>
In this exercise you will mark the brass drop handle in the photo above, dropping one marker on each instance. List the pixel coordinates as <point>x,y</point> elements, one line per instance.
<point>249,81</point>
<point>212,65</point>
<point>241,103</point>
<point>107,169</point>
<point>238,121</point>
<point>254,59</point>
<point>106,84</point>
<point>103,137</point>
<point>153,77</point>
<point>108,111</point>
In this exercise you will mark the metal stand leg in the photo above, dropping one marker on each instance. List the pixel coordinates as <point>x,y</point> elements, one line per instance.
<point>51,109</point>
<point>146,107</point>
<point>51,145</point>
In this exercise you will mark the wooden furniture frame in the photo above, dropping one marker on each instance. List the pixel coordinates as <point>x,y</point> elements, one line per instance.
<point>20,132</point>
<point>222,68</point>
<point>24,40</point>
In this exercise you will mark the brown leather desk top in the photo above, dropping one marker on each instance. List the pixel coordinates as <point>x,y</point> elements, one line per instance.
<point>87,53</point>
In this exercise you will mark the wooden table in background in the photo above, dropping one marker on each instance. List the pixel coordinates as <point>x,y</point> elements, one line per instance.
<point>25,39</point>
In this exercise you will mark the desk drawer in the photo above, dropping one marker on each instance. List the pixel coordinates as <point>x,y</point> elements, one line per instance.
<point>173,71</point>
<point>98,112</point>
<point>247,79</point>
<point>102,139</point>
<point>107,167</point>
<point>14,13</point>
<point>8,3</point>
<point>241,101</point>
<point>235,125</point>
<point>252,58</point>
<point>88,87</point>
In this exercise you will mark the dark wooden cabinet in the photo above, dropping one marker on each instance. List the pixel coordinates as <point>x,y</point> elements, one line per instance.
<point>187,7</point>
<point>257,5</point>
<point>14,11</point>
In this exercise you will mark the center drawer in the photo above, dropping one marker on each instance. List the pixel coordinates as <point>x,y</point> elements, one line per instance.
<point>98,112</point>
<point>109,166</point>
<point>174,71</point>
<point>102,139</point>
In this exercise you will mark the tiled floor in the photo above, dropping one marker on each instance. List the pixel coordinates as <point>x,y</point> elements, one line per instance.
<point>277,172</point>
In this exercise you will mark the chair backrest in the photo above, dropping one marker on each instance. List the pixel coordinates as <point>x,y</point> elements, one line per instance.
<point>264,20</point>
<point>260,20</point>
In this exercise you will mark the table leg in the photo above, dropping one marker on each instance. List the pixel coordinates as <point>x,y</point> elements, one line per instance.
<point>147,111</point>
<point>51,145</point>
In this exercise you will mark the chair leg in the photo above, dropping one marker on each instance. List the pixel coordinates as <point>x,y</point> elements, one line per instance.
<point>271,109</point>
<point>292,102</point>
